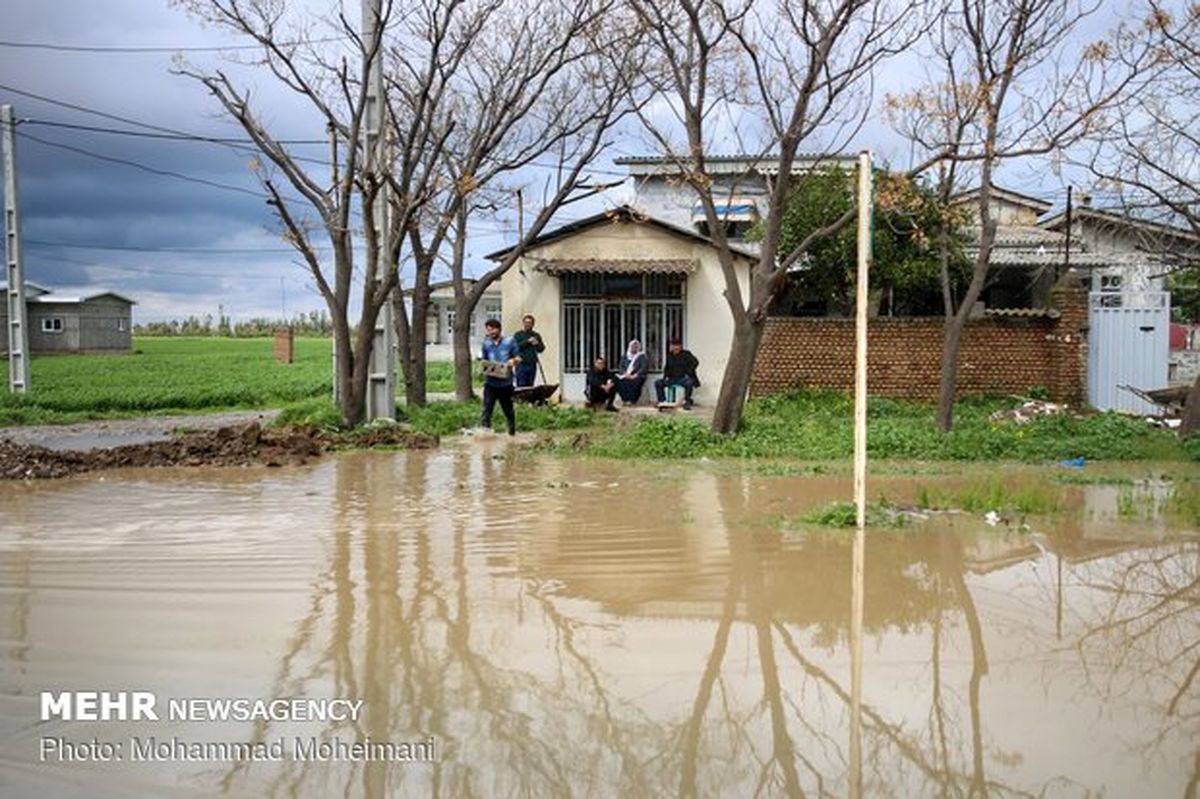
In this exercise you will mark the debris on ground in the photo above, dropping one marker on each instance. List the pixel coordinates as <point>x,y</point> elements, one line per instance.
<point>241,445</point>
<point>1165,422</point>
<point>1028,410</point>
<point>1171,399</point>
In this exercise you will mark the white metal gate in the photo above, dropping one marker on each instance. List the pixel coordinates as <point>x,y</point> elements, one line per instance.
<point>1128,344</point>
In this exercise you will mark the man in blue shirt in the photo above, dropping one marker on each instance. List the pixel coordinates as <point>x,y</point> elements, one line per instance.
<point>498,385</point>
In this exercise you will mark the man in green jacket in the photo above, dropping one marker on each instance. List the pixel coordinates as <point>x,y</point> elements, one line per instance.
<point>529,343</point>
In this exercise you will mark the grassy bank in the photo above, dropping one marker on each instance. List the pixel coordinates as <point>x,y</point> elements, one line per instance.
<point>819,426</point>
<point>445,418</point>
<point>178,374</point>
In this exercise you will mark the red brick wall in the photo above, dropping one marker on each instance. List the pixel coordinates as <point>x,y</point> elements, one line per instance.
<point>285,345</point>
<point>999,355</point>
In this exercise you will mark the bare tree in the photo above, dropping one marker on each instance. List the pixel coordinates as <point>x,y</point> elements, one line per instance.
<point>1147,153</point>
<point>780,76</point>
<point>529,97</point>
<point>329,74</point>
<point>1015,81</point>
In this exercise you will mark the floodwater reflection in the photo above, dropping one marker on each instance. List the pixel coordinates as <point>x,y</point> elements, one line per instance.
<point>595,629</point>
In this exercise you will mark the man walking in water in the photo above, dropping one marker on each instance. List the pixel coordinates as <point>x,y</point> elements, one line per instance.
<point>500,355</point>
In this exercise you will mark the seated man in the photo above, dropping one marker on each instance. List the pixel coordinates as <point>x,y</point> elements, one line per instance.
<point>679,370</point>
<point>601,385</point>
<point>633,373</point>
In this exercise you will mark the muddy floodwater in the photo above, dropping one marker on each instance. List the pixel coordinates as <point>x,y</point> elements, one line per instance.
<point>546,627</point>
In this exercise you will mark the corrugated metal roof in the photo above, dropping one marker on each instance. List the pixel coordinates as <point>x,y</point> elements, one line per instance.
<point>1014,257</point>
<point>1047,313</point>
<point>619,215</point>
<point>62,299</point>
<point>657,266</point>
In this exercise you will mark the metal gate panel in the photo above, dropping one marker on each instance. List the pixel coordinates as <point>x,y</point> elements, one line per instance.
<point>1128,344</point>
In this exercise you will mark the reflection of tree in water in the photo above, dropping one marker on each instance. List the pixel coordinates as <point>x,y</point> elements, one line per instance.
<point>1144,629</point>
<point>448,623</point>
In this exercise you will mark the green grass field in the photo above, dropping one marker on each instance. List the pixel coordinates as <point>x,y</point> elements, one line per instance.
<point>167,375</point>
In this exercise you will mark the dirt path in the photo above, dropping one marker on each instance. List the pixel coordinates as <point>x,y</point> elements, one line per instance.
<point>108,433</point>
<point>244,444</point>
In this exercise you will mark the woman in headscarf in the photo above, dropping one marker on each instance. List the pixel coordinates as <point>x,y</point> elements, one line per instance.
<point>633,373</point>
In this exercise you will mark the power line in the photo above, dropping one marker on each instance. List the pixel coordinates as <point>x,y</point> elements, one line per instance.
<point>87,48</point>
<point>237,145</point>
<point>226,141</point>
<point>165,136</point>
<point>138,123</point>
<point>183,250</point>
<point>152,271</point>
<point>152,170</point>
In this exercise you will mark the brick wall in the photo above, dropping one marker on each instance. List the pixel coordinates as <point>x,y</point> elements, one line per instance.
<point>285,345</point>
<point>999,355</point>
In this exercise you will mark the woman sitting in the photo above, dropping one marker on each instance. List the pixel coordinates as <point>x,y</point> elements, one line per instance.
<point>633,373</point>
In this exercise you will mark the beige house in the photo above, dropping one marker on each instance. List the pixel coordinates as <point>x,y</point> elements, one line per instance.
<point>596,283</point>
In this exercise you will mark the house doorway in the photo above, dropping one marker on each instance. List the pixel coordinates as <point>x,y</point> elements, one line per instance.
<point>601,313</point>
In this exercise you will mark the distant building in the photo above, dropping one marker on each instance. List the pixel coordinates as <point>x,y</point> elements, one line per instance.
<point>440,322</point>
<point>741,189</point>
<point>1145,250</point>
<point>99,321</point>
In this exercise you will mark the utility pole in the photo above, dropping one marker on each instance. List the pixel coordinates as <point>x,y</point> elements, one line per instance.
<point>1067,248</point>
<point>18,329</point>
<point>381,380</point>
<point>859,551</point>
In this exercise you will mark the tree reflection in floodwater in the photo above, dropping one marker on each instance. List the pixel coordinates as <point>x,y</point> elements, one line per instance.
<point>466,601</point>
<point>596,629</point>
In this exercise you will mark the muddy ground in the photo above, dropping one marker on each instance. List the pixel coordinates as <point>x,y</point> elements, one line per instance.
<point>239,445</point>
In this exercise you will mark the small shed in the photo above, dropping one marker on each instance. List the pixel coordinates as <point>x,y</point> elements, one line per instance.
<point>95,321</point>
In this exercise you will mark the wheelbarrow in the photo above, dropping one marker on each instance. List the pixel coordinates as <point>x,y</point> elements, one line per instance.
<point>536,395</point>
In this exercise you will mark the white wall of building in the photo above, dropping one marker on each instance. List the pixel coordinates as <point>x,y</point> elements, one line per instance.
<point>708,325</point>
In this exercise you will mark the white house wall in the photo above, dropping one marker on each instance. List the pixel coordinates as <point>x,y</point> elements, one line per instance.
<point>674,202</point>
<point>708,325</point>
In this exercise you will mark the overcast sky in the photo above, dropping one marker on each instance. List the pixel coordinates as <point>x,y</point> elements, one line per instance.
<point>88,222</point>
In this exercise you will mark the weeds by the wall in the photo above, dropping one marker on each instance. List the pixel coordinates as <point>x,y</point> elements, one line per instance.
<point>819,426</point>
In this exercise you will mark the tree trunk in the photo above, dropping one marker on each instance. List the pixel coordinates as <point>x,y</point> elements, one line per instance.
<point>414,372</point>
<point>410,341</point>
<point>735,383</point>
<point>344,374</point>
<point>463,310</point>
<point>951,344</point>
<point>1191,411</point>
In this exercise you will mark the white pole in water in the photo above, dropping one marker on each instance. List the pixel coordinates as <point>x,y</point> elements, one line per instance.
<point>381,382</point>
<point>860,470</point>
<point>18,330</point>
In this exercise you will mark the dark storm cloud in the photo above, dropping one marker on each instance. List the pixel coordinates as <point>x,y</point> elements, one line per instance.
<point>70,198</point>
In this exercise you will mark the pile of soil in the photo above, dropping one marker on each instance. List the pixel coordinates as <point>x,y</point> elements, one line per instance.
<point>242,445</point>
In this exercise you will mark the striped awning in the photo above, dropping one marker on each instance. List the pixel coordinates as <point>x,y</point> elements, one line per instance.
<point>633,266</point>
<point>737,210</point>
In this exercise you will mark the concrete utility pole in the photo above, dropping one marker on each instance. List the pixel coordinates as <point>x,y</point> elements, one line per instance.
<point>381,382</point>
<point>18,330</point>
<point>859,554</point>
